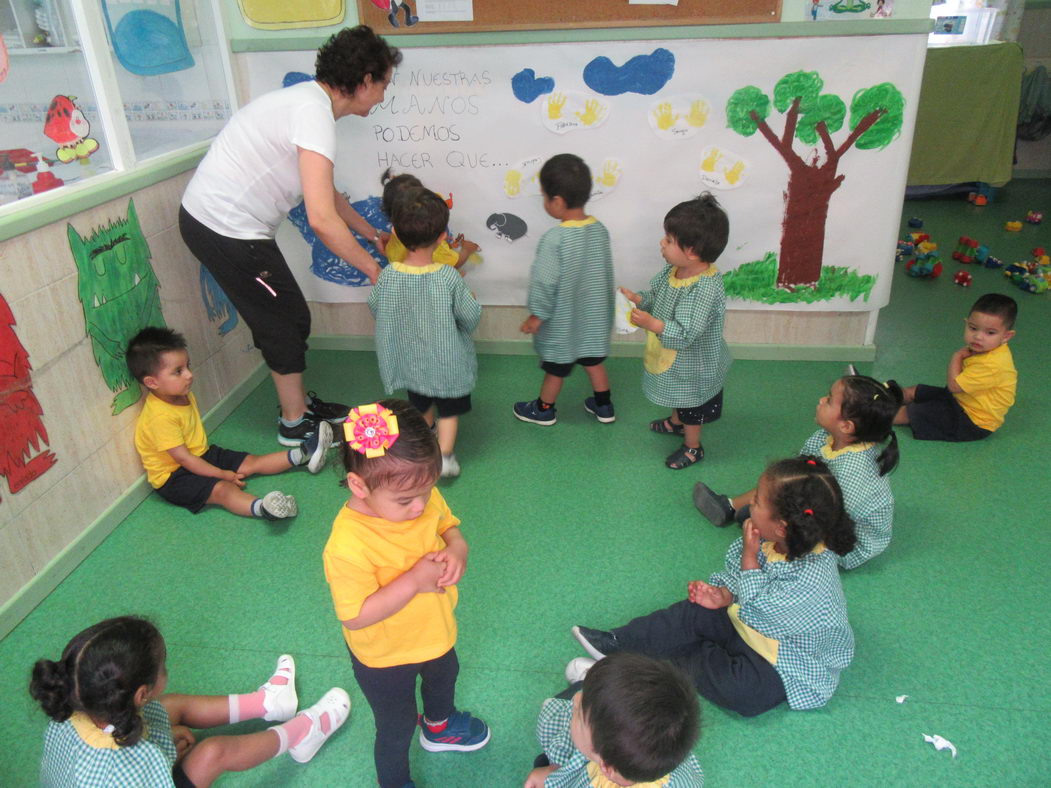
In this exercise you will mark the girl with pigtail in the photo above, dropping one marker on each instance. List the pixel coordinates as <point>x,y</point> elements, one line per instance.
<point>856,440</point>
<point>112,725</point>
<point>772,625</point>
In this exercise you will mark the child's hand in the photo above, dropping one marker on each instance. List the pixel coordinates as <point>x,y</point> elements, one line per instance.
<point>531,325</point>
<point>647,321</point>
<point>382,239</point>
<point>235,477</point>
<point>631,295</point>
<point>470,247</point>
<point>183,739</point>
<point>537,777</point>
<point>709,596</point>
<point>426,572</point>
<point>455,558</point>
<point>750,550</point>
<point>964,352</point>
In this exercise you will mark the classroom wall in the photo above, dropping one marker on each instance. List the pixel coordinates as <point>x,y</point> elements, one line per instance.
<point>96,461</point>
<point>1034,158</point>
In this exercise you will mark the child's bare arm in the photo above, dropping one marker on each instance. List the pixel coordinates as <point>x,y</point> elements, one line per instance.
<point>955,368</point>
<point>386,601</point>
<point>202,467</point>
<point>455,557</point>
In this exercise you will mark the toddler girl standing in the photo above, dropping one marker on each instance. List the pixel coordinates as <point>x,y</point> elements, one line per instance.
<point>113,726</point>
<point>392,563</point>
<point>772,626</point>
<point>856,419</point>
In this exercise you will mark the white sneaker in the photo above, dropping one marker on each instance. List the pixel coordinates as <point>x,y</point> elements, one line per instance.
<point>450,466</point>
<point>279,505</point>
<point>281,700</point>
<point>578,668</point>
<point>321,446</point>
<point>336,704</point>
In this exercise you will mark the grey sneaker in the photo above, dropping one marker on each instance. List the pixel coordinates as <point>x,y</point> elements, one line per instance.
<point>717,508</point>
<point>278,506</point>
<point>450,466</point>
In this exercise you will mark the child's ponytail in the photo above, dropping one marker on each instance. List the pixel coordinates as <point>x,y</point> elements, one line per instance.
<point>806,495</point>
<point>872,406</point>
<point>100,672</point>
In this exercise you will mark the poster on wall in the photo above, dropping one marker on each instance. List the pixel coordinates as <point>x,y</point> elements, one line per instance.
<point>805,142</point>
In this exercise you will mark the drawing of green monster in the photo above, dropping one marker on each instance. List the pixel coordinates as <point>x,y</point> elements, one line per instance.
<point>119,293</point>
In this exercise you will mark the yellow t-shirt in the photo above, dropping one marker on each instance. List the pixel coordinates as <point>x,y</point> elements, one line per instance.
<point>161,427</point>
<point>396,252</point>
<point>989,381</point>
<point>364,554</point>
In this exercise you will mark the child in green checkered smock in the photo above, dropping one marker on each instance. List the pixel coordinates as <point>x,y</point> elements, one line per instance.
<point>772,625</point>
<point>570,294</point>
<point>424,319</point>
<point>632,721</point>
<point>686,358</point>
<point>856,419</point>
<point>112,726</point>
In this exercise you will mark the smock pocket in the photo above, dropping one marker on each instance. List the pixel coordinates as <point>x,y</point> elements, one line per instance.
<point>657,358</point>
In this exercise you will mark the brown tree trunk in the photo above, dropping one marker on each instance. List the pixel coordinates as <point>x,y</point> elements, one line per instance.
<point>803,230</point>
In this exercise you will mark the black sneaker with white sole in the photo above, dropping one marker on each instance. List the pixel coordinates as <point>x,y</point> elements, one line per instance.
<point>319,410</point>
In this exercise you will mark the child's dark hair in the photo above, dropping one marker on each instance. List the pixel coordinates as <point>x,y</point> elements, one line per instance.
<point>99,673</point>
<point>699,224</point>
<point>146,348</point>
<point>419,217</point>
<point>350,55</point>
<point>566,176</point>
<point>643,714</point>
<point>872,405</point>
<point>393,186</point>
<point>805,494</point>
<point>413,459</point>
<point>1003,307</point>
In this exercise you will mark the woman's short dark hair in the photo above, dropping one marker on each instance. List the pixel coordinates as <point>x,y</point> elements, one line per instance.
<point>350,55</point>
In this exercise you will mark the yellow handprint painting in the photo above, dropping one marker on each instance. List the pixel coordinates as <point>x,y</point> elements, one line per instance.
<point>678,117</point>
<point>722,169</point>
<point>521,179</point>
<point>567,111</point>
<point>605,177</point>
<point>512,183</point>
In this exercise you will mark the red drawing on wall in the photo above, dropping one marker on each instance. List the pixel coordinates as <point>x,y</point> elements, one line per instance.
<point>21,429</point>
<point>66,125</point>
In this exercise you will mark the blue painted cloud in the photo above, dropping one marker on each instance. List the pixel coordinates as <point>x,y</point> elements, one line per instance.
<point>527,86</point>
<point>644,74</point>
<point>294,78</point>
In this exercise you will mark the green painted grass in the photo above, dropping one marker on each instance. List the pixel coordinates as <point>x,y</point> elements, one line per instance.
<point>757,281</point>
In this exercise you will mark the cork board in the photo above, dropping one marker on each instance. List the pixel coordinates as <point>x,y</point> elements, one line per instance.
<point>562,14</point>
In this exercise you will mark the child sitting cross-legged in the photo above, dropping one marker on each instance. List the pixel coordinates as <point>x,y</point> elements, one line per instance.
<point>170,437</point>
<point>632,721</point>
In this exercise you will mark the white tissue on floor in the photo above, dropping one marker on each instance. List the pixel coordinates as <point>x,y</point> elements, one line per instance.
<point>941,743</point>
<point>901,698</point>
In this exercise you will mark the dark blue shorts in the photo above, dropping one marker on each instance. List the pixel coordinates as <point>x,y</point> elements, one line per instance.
<point>703,414</point>
<point>563,370</point>
<point>935,415</point>
<point>191,491</point>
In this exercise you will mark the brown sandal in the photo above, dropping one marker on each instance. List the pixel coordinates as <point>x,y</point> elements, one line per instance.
<point>666,427</point>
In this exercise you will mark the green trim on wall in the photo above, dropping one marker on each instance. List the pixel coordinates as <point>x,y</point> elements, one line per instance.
<point>98,190</point>
<point>307,40</point>
<point>59,568</point>
<point>1034,5</point>
<point>524,347</point>
<point>1032,173</point>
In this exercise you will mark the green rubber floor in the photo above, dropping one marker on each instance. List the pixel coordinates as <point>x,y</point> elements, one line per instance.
<point>582,523</point>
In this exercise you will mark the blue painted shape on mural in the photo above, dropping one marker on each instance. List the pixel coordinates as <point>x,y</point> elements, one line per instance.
<point>148,43</point>
<point>645,74</point>
<point>324,263</point>
<point>527,86</point>
<point>216,303</point>
<point>295,77</point>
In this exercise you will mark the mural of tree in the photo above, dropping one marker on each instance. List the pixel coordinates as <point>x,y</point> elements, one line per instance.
<point>875,120</point>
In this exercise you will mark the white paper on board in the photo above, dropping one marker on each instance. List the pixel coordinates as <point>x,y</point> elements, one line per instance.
<point>445,10</point>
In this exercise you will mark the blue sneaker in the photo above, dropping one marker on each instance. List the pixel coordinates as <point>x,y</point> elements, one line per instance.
<point>603,413</point>
<point>530,411</point>
<point>462,733</point>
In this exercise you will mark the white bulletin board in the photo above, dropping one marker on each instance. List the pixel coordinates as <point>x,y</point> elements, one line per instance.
<point>658,122</point>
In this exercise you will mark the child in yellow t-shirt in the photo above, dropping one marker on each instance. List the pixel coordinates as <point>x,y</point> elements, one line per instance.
<point>454,254</point>
<point>980,383</point>
<point>172,443</point>
<point>392,563</point>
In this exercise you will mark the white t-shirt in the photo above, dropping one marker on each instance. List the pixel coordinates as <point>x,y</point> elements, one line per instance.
<point>249,180</point>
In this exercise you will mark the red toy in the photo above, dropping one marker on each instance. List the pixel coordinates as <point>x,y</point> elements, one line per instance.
<point>965,249</point>
<point>1034,217</point>
<point>962,278</point>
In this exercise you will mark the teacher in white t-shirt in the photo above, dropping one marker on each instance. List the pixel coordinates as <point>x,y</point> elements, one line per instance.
<point>276,150</point>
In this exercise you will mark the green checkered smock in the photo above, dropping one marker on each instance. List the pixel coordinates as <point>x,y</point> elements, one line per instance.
<point>571,290</point>
<point>70,762</point>
<point>801,605</point>
<point>686,365</point>
<point>424,319</point>
<point>866,495</point>
<point>552,729</point>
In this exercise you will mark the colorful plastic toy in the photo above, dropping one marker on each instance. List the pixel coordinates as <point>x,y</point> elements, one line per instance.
<point>915,222</point>
<point>993,262</point>
<point>981,254</point>
<point>1013,227</point>
<point>962,278</point>
<point>981,195</point>
<point>1033,283</point>
<point>919,237</point>
<point>1034,217</point>
<point>904,249</point>
<point>965,249</point>
<point>926,264</point>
